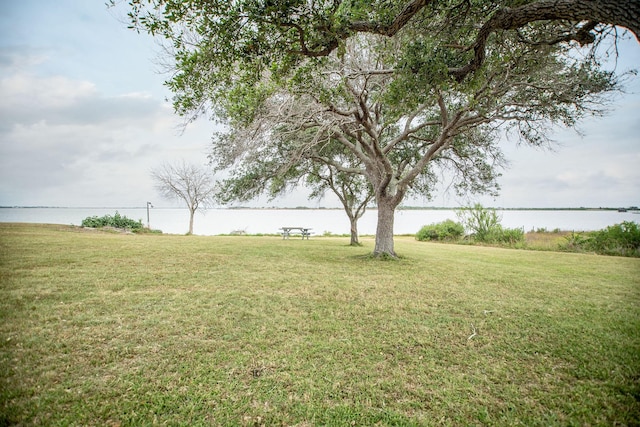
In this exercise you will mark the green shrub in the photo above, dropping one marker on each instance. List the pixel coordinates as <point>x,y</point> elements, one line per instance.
<point>446,230</point>
<point>484,225</point>
<point>511,236</point>
<point>116,221</point>
<point>619,239</point>
<point>575,242</point>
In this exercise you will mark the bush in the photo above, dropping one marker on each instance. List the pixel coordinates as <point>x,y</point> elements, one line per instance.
<point>511,236</point>
<point>575,242</point>
<point>116,221</point>
<point>484,224</point>
<point>619,239</point>
<point>446,230</point>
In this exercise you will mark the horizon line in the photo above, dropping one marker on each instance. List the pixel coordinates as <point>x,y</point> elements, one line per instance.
<point>416,207</point>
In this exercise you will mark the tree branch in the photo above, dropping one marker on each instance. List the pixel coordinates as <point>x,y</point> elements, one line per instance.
<point>612,12</point>
<point>408,12</point>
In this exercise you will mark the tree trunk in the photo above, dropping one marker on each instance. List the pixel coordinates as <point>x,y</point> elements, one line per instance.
<point>354,231</point>
<point>384,230</point>
<point>191,213</point>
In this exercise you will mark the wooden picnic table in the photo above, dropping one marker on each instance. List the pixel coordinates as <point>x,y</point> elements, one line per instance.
<point>303,231</point>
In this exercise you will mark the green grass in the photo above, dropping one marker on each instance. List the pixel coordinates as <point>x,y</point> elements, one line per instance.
<point>128,330</point>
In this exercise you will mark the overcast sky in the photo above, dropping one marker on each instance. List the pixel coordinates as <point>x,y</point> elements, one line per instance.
<point>84,118</point>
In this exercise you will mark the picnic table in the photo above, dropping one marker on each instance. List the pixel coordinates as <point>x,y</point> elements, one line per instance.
<point>303,231</point>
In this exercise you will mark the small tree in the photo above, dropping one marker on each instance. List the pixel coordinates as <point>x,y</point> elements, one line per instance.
<point>276,168</point>
<point>351,189</point>
<point>188,183</point>
<point>485,225</point>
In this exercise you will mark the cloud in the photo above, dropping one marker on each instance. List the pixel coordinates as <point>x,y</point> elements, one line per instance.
<point>21,57</point>
<point>82,114</point>
<point>57,133</point>
<point>58,100</point>
<point>582,173</point>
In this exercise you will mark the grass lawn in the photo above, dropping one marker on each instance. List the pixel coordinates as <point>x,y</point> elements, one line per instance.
<point>105,329</point>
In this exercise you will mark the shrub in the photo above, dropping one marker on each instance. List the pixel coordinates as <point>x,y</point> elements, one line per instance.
<point>619,239</point>
<point>446,230</point>
<point>575,242</point>
<point>116,221</point>
<point>511,236</point>
<point>484,224</point>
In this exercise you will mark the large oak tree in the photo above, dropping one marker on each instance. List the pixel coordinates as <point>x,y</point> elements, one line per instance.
<point>451,72</point>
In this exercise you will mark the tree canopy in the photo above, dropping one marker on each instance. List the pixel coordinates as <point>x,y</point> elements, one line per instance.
<point>222,47</point>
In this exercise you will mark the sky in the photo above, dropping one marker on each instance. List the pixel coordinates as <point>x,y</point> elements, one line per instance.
<point>84,117</point>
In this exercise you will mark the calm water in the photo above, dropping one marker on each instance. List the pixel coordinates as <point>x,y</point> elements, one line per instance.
<point>253,221</point>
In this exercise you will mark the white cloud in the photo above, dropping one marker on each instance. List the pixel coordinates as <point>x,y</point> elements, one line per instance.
<point>63,142</point>
<point>21,90</point>
<point>28,99</point>
<point>21,58</point>
<point>82,114</point>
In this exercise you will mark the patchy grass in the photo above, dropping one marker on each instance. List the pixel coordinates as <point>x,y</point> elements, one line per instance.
<point>113,329</point>
<point>546,241</point>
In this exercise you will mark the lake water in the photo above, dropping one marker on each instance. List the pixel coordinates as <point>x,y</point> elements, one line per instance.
<point>255,221</point>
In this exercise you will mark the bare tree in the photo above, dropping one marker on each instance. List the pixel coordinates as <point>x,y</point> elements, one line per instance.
<point>185,182</point>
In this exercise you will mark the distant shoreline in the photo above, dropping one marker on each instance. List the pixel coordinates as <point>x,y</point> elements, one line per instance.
<point>426,208</point>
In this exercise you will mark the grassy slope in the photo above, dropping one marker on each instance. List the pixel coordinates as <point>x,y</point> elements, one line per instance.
<point>110,329</point>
